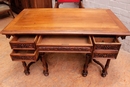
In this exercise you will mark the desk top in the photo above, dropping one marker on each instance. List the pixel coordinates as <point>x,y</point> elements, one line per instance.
<point>66,21</point>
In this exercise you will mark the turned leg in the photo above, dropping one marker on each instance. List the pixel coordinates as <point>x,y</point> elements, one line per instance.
<point>26,71</point>
<point>45,66</point>
<point>85,71</point>
<point>104,71</point>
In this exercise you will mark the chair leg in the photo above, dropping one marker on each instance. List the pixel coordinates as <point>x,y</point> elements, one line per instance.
<point>56,5</point>
<point>80,5</point>
<point>11,13</point>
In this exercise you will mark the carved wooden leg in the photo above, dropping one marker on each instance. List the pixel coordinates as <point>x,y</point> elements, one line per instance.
<point>45,66</point>
<point>104,71</point>
<point>26,67</point>
<point>26,71</point>
<point>85,71</point>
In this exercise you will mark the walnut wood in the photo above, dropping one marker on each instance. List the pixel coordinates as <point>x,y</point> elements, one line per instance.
<point>44,64</point>
<point>76,21</point>
<point>26,70</point>
<point>105,47</point>
<point>104,71</point>
<point>27,67</point>
<point>24,55</point>
<point>104,68</point>
<point>26,42</point>
<point>64,40</point>
<point>85,71</point>
<point>98,63</point>
<point>64,44</point>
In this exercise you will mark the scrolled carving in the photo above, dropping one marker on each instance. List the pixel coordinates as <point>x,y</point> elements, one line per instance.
<point>65,48</point>
<point>108,47</point>
<point>105,55</point>
<point>23,45</point>
<point>23,58</point>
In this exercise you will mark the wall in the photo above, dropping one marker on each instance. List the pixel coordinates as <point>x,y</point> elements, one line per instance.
<point>121,8</point>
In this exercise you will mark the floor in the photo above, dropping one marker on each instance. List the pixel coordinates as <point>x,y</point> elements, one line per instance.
<point>64,69</point>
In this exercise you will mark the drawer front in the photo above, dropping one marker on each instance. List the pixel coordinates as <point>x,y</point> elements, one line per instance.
<point>106,43</point>
<point>64,40</point>
<point>28,46</point>
<point>105,55</point>
<point>27,56</point>
<point>106,47</point>
<point>24,42</point>
<point>65,49</point>
<point>65,43</point>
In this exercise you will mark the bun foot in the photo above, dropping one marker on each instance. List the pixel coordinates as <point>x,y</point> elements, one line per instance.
<point>84,73</point>
<point>46,73</point>
<point>104,74</point>
<point>26,72</point>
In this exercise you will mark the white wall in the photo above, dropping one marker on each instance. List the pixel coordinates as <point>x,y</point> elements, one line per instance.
<point>121,8</point>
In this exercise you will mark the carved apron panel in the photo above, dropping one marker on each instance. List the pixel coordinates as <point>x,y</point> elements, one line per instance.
<point>23,58</point>
<point>107,47</point>
<point>65,48</point>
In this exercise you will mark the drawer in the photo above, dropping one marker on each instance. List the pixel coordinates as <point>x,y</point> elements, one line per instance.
<point>24,42</point>
<point>106,43</point>
<point>22,55</point>
<point>64,43</point>
<point>108,55</point>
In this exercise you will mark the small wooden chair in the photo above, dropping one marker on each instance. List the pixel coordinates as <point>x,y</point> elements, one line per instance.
<point>5,7</point>
<point>58,2</point>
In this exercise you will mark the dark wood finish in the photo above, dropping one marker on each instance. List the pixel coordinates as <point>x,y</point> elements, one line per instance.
<point>40,3</point>
<point>18,5</point>
<point>72,33</point>
<point>26,67</point>
<point>104,69</point>
<point>44,64</point>
<point>85,71</point>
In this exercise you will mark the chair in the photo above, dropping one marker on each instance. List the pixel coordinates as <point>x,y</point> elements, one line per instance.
<point>5,7</point>
<point>58,2</point>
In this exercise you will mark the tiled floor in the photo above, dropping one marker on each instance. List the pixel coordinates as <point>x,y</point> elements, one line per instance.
<point>64,69</point>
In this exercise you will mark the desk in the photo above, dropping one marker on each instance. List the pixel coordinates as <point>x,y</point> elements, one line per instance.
<point>94,32</point>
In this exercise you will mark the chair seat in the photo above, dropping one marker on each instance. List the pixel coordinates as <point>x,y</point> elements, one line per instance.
<point>4,7</point>
<point>68,0</point>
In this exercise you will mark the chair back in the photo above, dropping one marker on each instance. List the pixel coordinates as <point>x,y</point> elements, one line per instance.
<point>58,2</point>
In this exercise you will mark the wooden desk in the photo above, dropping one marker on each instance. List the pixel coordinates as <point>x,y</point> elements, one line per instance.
<point>94,32</point>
